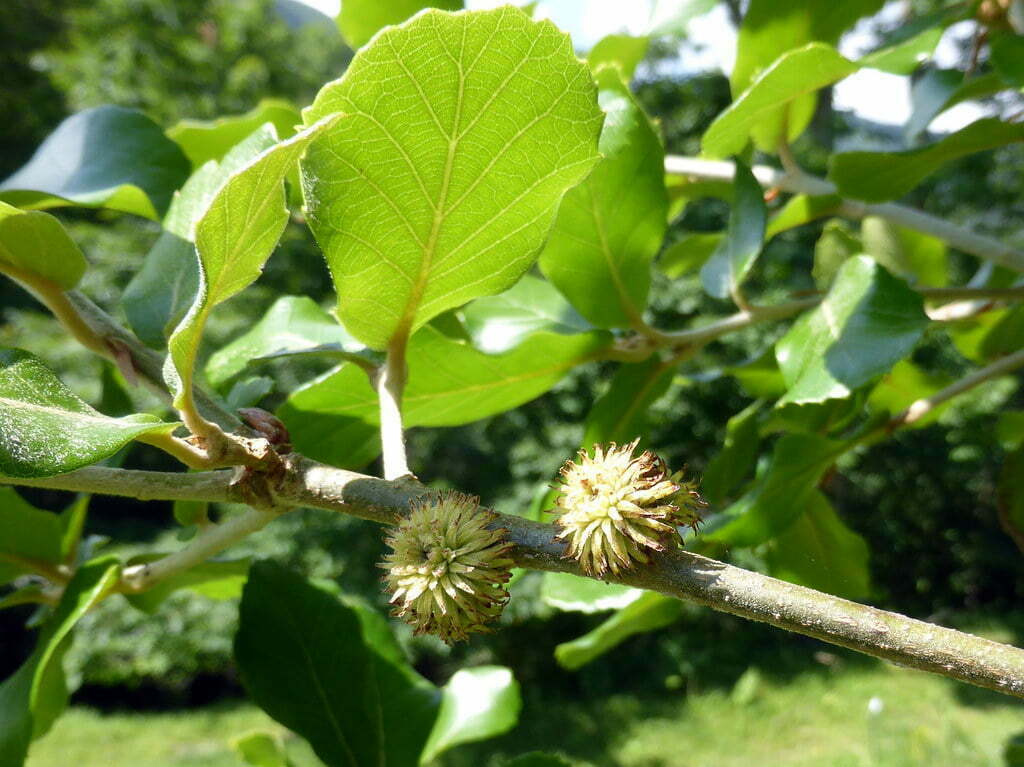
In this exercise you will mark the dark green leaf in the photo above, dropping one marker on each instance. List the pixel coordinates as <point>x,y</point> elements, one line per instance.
<point>1006,335</point>
<point>737,457</point>
<point>105,157</point>
<point>760,376</point>
<point>868,321</point>
<point>360,20</point>
<point>213,579</point>
<point>929,96</point>
<point>445,190</point>
<point>1008,58</point>
<point>879,176</point>
<point>732,262</point>
<point>1011,491</point>
<point>205,140</point>
<point>623,51</point>
<point>477,703</point>
<point>689,253</point>
<point>573,593</point>
<point>538,759</point>
<point>902,386</point>
<point>29,538</point>
<point>837,243</point>
<point>620,415</point>
<point>34,243</point>
<point>498,323</point>
<point>915,256</point>
<point>821,552</point>
<point>1010,429</point>
<point>45,429</point>
<point>648,613</point>
<point>247,392</point>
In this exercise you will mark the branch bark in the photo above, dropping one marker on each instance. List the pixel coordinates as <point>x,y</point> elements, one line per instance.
<point>986,248</point>
<point>679,574</point>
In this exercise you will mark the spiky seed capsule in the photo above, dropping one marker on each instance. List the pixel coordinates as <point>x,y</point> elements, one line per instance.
<point>615,506</point>
<point>447,570</point>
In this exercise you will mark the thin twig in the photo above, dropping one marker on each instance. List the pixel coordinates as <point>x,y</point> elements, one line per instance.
<point>390,386</point>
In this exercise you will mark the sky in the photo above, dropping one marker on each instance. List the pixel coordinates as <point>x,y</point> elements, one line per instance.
<point>869,94</point>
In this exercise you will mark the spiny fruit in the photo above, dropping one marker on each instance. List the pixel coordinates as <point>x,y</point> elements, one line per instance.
<point>615,506</point>
<point>447,569</point>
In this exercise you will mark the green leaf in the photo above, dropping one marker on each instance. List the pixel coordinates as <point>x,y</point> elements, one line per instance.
<point>928,97</point>
<point>72,524</point>
<point>47,429</point>
<point>879,176</point>
<point>1010,429</point>
<point>1006,335</point>
<point>786,84</point>
<point>915,256</point>
<point>162,292</point>
<point>837,243</point>
<point>821,552</point>
<point>760,376</point>
<point>737,458</point>
<point>205,140</point>
<point>868,321</point>
<point>477,703</point>
<point>445,190</point>
<point>1007,55</point>
<point>689,253</point>
<point>610,227</point>
<point>904,56</point>
<point>28,537</point>
<point>772,28</point>
<point>573,593</point>
<point>732,262</point>
<point>261,749</point>
<point>498,323</point>
<point>334,418</point>
<point>35,243</point>
<point>292,323</point>
<point>36,694</point>
<point>234,238</point>
<point>303,658</point>
<point>1011,490</point>
<point>538,759</point>
<point>360,20</point>
<point>650,612</point>
<point>780,495</point>
<point>213,579</point>
<point>620,415</point>
<point>105,157</point>
<point>902,386</point>
<point>801,209</point>
<point>622,51</point>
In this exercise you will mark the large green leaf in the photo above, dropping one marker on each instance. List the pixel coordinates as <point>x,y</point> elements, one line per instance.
<point>650,612</point>
<point>105,157</point>
<point>160,294</point>
<point>879,176</point>
<point>620,414</point>
<point>610,227</point>
<point>205,140</point>
<point>305,658</point>
<point>45,429</point>
<point>781,495</point>
<point>622,51</point>
<point>234,238</point>
<point>735,256</point>
<point>738,455</point>
<point>574,593</point>
<point>29,537</point>
<point>292,323</point>
<point>334,418</point>
<point>787,84</point>
<point>868,321</point>
<point>821,552</point>
<point>445,190</point>
<point>477,703</point>
<point>36,694</point>
<point>34,243</point>
<point>360,20</point>
<point>498,323</point>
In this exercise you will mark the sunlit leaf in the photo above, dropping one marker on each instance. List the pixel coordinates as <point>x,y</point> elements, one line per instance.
<point>205,140</point>
<point>623,51</point>
<point>360,20</point>
<point>34,243</point>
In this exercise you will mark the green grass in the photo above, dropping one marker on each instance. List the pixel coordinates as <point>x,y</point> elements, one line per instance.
<point>818,718</point>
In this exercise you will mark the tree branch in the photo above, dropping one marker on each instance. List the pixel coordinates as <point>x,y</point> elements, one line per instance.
<point>979,245</point>
<point>679,574</point>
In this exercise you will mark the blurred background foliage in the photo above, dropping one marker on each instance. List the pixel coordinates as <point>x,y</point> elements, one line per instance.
<point>924,500</point>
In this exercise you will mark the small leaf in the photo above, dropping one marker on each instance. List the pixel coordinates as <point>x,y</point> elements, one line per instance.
<point>573,593</point>
<point>476,704</point>
<point>760,376</point>
<point>35,243</point>
<point>45,429</point>
<point>868,321</point>
<point>791,78</point>
<point>610,227</point>
<point>801,209</point>
<point>1010,429</point>
<point>260,749</point>
<point>234,238</point>
<point>650,612</point>
<point>28,537</point>
<point>292,323</point>
<point>105,157</point>
<point>735,257</point>
<point>1011,491</point>
<point>837,243</point>
<point>780,495</point>
<point>902,386</point>
<point>445,190</point>
<point>335,417</point>
<point>213,579</point>
<point>360,20</point>
<point>928,97</point>
<point>737,457</point>
<point>205,140</point>
<point>689,253</point>
<point>498,323</point>
<point>620,414</point>
<point>822,553</point>
<point>622,51</point>
<point>72,523</point>
<point>913,255</point>
<point>880,176</point>
<point>904,56</point>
